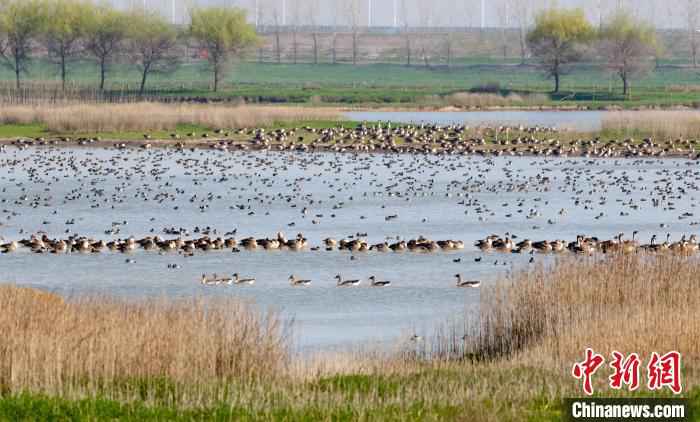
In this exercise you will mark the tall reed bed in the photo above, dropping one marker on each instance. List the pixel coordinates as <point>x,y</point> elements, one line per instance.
<point>154,116</point>
<point>659,123</point>
<point>485,100</point>
<point>54,346</point>
<point>629,303</point>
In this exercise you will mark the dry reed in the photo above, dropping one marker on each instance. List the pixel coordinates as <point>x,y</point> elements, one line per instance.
<point>658,123</point>
<point>154,116</point>
<point>465,99</point>
<point>629,303</point>
<point>54,346</point>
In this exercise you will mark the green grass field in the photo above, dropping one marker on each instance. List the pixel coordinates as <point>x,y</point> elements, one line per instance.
<point>387,84</point>
<point>422,396</point>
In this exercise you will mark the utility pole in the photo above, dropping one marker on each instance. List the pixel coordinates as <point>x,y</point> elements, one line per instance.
<point>483,14</point>
<point>257,13</point>
<point>395,15</point>
<point>369,13</point>
<point>284,12</point>
<point>172,10</point>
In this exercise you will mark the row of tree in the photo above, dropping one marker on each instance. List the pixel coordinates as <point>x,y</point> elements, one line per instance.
<point>562,37</point>
<point>76,29</point>
<point>73,29</point>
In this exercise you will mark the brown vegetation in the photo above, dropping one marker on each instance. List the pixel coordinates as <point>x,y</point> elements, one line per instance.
<point>54,346</point>
<point>549,316</point>
<point>155,116</point>
<point>659,124</point>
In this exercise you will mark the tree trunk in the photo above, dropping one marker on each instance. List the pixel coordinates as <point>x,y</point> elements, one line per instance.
<point>408,50</point>
<point>625,86</point>
<point>333,51</point>
<point>294,46</point>
<point>354,48</point>
<point>63,69</point>
<point>449,53</point>
<point>102,73</point>
<point>143,79</point>
<point>17,72</point>
<point>278,48</point>
<point>556,83</point>
<point>315,40</point>
<point>216,77</point>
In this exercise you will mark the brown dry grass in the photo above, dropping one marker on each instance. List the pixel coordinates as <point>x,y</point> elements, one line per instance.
<point>548,317</point>
<point>659,124</point>
<point>484,100</point>
<point>53,346</point>
<point>154,116</point>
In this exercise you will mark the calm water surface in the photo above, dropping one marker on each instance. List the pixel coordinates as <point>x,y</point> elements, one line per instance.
<point>94,191</point>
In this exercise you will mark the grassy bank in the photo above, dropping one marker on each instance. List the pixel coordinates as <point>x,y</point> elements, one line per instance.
<point>74,358</point>
<point>588,85</point>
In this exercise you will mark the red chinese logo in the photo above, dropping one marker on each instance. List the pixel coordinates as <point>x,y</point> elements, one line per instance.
<point>662,371</point>
<point>626,371</point>
<point>585,370</point>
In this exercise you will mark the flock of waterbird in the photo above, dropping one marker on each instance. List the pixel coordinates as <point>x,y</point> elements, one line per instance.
<point>216,280</point>
<point>582,245</point>
<point>385,171</point>
<point>406,138</point>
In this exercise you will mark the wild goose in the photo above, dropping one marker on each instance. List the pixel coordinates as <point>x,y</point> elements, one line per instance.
<point>9,247</point>
<point>296,282</point>
<point>208,282</point>
<point>485,244</point>
<point>377,283</point>
<point>346,283</point>
<point>503,245</point>
<point>464,283</point>
<point>238,280</point>
<point>543,246</point>
<point>524,246</point>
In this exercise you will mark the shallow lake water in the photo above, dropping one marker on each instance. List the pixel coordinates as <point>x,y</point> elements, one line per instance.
<point>584,121</point>
<point>109,194</point>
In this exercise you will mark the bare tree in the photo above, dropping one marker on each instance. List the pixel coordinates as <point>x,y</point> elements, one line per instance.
<point>151,41</point>
<point>426,12</point>
<point>104,37</point>
<point>260,18</point>
<point>522,12</point>
<point>692,11</point>
<point>20,24</point>
<point>296,22</point>
<point>312,15</point>
<point>353,10</point>
<point>627,44</point>
<point>406,32</point>
<point>277,35</point>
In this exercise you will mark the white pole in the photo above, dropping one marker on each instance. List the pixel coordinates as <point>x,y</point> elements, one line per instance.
<point>172,10</point>
<point>483,14</point>
<point>284,12</point>
<point>369,13</point>
<point>256,14</point>
<point>395,17</point>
